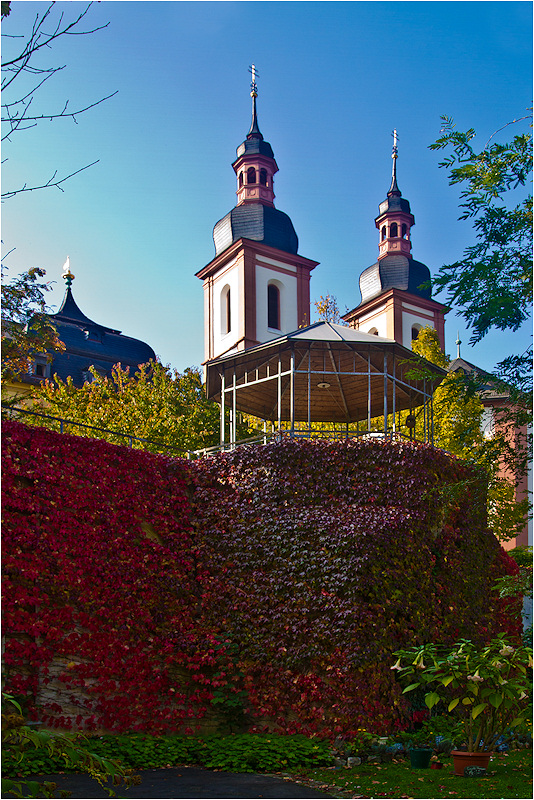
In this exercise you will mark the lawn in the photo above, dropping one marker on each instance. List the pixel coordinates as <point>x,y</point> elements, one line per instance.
<point>509,776</point>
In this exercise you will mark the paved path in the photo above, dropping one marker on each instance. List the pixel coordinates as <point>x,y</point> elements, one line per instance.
<point>188,782</point>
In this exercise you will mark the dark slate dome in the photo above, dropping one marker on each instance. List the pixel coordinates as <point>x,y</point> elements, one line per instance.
<point>254,147</point>
<point>395,272</point>
<point>89,344</point>
<point>257,222</point>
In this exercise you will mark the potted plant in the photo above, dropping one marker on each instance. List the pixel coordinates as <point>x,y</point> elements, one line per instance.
<point>418,746</point>
<point>487,688</point>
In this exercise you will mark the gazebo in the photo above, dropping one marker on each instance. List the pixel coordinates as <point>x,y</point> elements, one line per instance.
<point>324,373</point>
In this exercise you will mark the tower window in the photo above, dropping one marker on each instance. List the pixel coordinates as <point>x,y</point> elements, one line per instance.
<point>394,230</point>
<point>241,179</point>
<point>263,177</point>
<point>226,311</point>
<point>415,332</point>
<point>404,231</point>
<point>251,175</point>
<point>383,232</point>
<point>273,306</point>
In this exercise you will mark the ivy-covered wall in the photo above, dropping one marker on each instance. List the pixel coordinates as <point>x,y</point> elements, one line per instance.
<point>147,593</point>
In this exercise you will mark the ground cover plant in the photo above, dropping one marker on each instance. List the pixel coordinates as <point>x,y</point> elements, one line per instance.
<point>263,589</point>
<point>240,753</point>
<point>509,775</point>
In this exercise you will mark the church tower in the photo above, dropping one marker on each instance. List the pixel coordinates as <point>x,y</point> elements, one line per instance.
<point>257,286</point>
<point>396,295</point>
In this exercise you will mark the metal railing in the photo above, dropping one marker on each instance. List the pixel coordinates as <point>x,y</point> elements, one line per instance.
<point>63,423</point>
<point>261,439</point>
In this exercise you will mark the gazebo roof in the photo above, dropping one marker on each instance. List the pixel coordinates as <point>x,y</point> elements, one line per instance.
<point>323,373</point>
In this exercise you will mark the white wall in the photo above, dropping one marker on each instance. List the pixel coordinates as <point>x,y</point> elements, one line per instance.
<point>223,341</point>
<point>408,321</point>
<point>287,285</point>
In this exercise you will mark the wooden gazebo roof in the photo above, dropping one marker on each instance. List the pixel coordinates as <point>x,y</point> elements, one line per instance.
<point>323,373</point>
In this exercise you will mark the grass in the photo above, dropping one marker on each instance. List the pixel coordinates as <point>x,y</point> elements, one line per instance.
<point>509,776</point>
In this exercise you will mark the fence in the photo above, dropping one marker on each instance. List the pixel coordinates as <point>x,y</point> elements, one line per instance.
<point>264,438</point>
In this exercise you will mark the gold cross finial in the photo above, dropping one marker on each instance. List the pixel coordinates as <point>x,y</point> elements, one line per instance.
<point>395,153</point>
<point>253,86</point>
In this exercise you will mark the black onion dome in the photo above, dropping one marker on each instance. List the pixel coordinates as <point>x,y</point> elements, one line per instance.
<point>395,272</point>
<point>259,223</point>
<point>89,344</point>
<point>255,146</point>
<point>394,202</point>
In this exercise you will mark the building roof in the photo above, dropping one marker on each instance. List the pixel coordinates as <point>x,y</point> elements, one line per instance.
<point>338,375</point>
<point>395,272</point>
<point>260,223</point>
<point>488,387</point>
<point>87,343</point>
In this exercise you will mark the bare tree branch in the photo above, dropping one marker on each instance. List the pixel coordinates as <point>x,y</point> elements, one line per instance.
<point>49,183</point>
<point>19,113</point>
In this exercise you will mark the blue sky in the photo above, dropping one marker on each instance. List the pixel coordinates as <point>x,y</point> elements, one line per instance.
<point>335,79</point>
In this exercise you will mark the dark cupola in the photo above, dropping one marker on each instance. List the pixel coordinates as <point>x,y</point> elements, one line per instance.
<point>88,343</point>
<point>255,217</point>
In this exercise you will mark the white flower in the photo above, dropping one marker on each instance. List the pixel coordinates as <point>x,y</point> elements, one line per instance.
<point>506,650</point>
<point>397,665</point>
<point>476,678</point>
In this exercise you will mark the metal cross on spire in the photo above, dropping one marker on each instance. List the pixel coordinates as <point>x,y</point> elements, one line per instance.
<point>253,85</point>
<point>458,343</point>
<point>395,152</point>
<point>394,156</point>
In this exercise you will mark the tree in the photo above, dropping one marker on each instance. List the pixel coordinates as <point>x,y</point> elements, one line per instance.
<point>458,429</point>
<point>166,407</point>
<point>27,330</point>
<point>492,284</point>
<point>328,309</point>
<point>23,74</point>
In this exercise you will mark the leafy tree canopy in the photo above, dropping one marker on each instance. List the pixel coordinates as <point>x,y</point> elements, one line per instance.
<point>27,330</point>
<point>458,413</point>
<point>491,284</point>
<point>328,310</point>
<point>159,404</point>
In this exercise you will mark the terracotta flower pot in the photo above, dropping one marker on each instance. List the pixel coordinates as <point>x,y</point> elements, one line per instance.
<point>463,759</point>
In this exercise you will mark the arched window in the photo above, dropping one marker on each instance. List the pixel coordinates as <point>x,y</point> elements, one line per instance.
<point>241,179</point>
<point>273,306</point>
<point>415,331</point>
<point>251,175</point>
<point>383,232</point>
<point>404,231</point>
<point>263,177</point>
<point>394,230</point>
<point>226,311</point>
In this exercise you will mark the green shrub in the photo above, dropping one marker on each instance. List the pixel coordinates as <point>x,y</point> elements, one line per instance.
<point>243,753</point>
<point>252,753</point>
